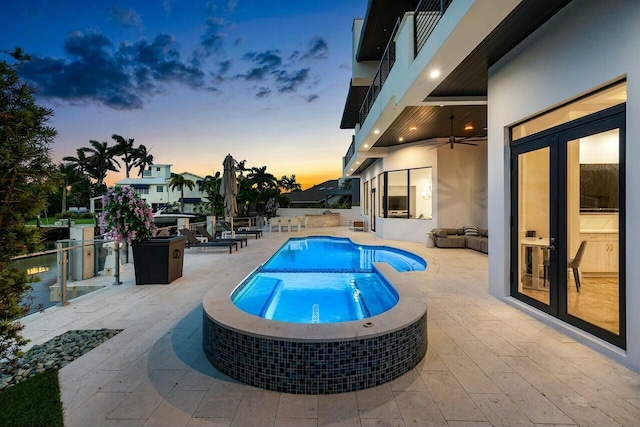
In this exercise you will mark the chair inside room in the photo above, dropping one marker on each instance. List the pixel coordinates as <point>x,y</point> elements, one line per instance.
<point>573,264</point>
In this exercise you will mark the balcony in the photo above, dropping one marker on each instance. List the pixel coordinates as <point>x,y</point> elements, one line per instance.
<point>426,17</point>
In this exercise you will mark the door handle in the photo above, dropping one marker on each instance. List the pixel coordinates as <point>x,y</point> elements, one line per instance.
<point>552,246</point>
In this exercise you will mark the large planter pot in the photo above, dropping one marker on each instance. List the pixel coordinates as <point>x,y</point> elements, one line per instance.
<point>158,260</point>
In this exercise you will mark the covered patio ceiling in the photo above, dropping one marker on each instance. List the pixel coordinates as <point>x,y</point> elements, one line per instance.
<point>424,123</point>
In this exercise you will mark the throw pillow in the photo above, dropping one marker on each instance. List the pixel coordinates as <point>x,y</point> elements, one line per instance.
<point>441,233</point>
<point>470,230</point>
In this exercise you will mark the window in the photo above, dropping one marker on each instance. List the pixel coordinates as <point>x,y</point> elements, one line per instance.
<point>408,193</point>
<point>365,197</point>
<point>381,196</point>
<point>398,195</point>
<point>159,189</point>
<point>420,192</point>
<point>141,190</point>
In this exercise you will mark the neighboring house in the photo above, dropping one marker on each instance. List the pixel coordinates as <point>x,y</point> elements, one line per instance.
<point>324,194</point>
<point>154,188</point>
<point>549,93</point>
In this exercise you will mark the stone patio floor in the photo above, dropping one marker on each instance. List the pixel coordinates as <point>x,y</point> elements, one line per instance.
<point>487,363</point>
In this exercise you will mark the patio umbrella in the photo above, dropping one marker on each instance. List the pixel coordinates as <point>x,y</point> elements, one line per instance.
<point>229,188</point>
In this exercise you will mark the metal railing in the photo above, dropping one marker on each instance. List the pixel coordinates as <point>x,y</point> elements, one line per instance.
<point>73,260</point>
<point>384,68</point>
<point>425,19</point>
<point>350,152</point>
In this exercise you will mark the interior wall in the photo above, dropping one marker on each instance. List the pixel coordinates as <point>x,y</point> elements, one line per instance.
<point>585,46</point>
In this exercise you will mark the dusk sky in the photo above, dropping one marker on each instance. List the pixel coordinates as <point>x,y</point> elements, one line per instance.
<point>193,80</point>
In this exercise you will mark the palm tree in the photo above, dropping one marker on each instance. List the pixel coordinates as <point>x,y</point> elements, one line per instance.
<point>101,160</point>
<point>215,202</point>
<point>179,181</point>
<point>124,148</point>
<point>78,163</point>
<point>143,159</point>
<point>289,184</point>
<point>262,180</point>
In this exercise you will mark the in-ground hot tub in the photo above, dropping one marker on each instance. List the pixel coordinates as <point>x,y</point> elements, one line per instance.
<point>314,350</point>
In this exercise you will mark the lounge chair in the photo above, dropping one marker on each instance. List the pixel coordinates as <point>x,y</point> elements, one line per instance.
<point>256,233</point>
<point>203,231</point>
<point>192,241</point>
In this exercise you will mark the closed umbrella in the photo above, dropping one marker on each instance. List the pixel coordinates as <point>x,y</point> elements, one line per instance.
<point>229,188</point>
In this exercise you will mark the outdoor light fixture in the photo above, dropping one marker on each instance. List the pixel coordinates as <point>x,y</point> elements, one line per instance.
<point>377,131</point>
<point>366,145</point>
<point>434,74</point>
<point>401,139</point>
<point>468,126</point>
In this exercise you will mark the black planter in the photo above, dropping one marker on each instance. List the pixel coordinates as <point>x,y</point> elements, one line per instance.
<point>158,260</point>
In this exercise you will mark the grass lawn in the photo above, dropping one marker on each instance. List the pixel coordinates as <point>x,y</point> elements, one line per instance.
<point>34,402</point>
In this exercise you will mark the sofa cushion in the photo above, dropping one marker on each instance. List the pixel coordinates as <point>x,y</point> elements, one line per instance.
<point>460,231</point>
<point>440,233</point>
<point>451,242</point>
<point>470,230</point>
<point>483,232</point>
<point>475,242</point>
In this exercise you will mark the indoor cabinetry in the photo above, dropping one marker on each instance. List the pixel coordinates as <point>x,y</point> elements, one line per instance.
<point>601,253</point>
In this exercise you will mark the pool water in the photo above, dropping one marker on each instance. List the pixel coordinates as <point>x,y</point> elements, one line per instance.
<point>323,280</point>
<point>338,254</point>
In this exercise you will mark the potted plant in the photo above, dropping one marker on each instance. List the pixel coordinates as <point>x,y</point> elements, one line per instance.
<point>126,217</point>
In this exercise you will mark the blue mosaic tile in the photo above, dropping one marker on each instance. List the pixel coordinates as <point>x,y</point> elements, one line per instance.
<point>314,367</point>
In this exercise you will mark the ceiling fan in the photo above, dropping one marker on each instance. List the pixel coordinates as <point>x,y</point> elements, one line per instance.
<point>453,140</point>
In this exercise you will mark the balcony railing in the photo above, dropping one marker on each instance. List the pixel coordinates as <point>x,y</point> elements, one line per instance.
<point>350,152</point>
<point>425,19</point>
<point>386,64</point>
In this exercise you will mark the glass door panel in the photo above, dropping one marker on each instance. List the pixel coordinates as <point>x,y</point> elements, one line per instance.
<point>533,224</point>
<point>593,229</point>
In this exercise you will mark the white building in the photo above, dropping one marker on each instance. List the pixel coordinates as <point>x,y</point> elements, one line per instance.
<point>154,188</point>
<point>547,90</point>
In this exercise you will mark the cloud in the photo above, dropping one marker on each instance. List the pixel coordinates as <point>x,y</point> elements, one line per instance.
<point>120,79</point>
<point>267,63</point>
<point>270,59</point>
<point>317,49</point>
<point>263,92</point>
<point>127,18</point>
<point>162,58</point>
<point>291,81</point>
<point>268,66</point>
<point>213,37</point>
<point>311,98</point>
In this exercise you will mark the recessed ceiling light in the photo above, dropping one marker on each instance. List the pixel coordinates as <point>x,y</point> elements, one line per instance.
<point>376,131</point>
<point>366,145</point>
<point>357,163</point>
<point>351,169</point>
<point>401,139</point>
<point>434,74</point>
<point>413,128</point>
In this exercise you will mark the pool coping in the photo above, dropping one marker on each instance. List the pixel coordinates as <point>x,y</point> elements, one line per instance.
<point>411,307</point>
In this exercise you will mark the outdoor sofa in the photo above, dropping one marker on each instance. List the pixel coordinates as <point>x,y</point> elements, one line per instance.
<point>467,237</point>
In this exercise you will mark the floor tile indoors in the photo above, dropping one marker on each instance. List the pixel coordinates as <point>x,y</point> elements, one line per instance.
<point>487,363</point>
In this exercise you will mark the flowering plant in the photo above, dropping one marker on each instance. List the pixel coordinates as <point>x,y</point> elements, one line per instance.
<point>125,216</point>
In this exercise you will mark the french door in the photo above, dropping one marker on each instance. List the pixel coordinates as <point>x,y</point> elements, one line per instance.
<point>567,230</point>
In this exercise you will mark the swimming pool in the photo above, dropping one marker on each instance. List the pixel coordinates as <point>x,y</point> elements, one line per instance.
<point>324,357</point>
<point>323,280</point>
